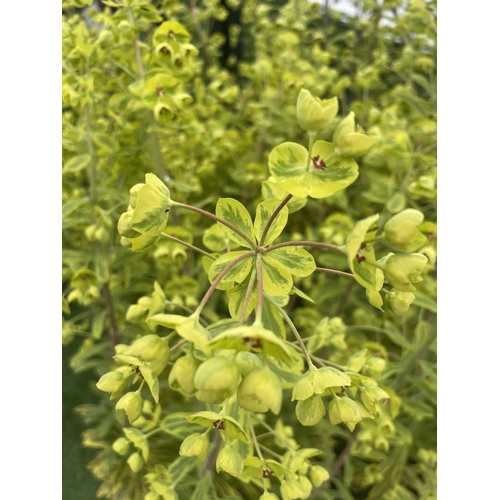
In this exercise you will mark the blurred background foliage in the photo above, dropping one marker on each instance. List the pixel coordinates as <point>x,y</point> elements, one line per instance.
<point>203,113</point>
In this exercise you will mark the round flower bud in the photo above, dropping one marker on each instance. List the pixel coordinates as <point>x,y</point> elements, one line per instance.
<point>306,484</point>
<point>195,445</point>
<point>370,396</point>
<point>114,381</point>
<point>401,271</point>
<point>318,475</point>
<point>216,380</point>
<point>153,349</point>
<point>348,142</point>
<point>135,462</point>
<point>182,374</point>
<point>310,411</point>
<point>291,489</point>
<point>121,446</point>
<point>247,361</point>
<point>131,403</point>
<point>260,391</point>
<point>401,230</point>
<point>268,496</point>
<point>399,302</point>
<point>374,367</point>
<point>314,114</point>
<point>344,410</point>
<point>230,461</point>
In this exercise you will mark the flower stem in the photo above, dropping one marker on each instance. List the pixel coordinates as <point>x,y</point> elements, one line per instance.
<point>296,333</point>
<point>219,279</point>
<point>247,298</point>
<point>260,290</point>
<point>304,244</point>
<point>188,245</point>
<point>309,153</point>
<point>335,271</point>
<point>255,442</point>
<point>273,216</point>
<point>218,219</point>
<point>179,344</point>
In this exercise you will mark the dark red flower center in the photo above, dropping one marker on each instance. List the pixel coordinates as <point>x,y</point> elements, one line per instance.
<point>318,163</point>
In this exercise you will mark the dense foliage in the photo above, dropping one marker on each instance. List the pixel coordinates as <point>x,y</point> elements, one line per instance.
<point>249,228</point>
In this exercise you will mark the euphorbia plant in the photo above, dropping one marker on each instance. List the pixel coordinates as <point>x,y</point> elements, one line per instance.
<point>239,367</point>
<point>383,76</point>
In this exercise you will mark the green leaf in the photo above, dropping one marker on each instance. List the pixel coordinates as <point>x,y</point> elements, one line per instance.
<point>425,302</point>
<point>263,213</point>
<point>392,469</point>
<point>70,206</point>
<point>276,277</point>
<point>215,239</point>
<point>235,213</point>
<point>271,189</point>
<point>272,319</point>
<point>357,235</point>
<point>237,273</point>
<point>298,261</point>
<point>151,211</point>
<point>153,383</point>
<point>76,164</point>
<point>237,296</point>
<point>301,294</point>
<point>288,165</point>
<point>181,467</point>
<point>104,142</point>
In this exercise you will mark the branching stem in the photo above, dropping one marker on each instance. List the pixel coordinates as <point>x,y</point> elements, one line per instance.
<point>219,279</point>
<point>334,271</point>
<point>316,244</point>
<point>188,245</point>
<point>218,219</point>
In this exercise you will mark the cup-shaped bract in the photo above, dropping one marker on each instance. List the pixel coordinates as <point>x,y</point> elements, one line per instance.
<point>399,302</point>
<point>216,380</point>
<point>247,361</point>
<point>374,367</point>
<point>348,142</point>
<point>182,374</point>
<point>195,445</point>
<point>135,462</point>
<point>153,349</point>
<point>402,271</point>
<point>121,446</point>
<point>152,207</point>
<point>291,489</point>
<point>115,381</point>
<point>314,114</point>
<point>230,461</point>
<point>402,233</point>
<point>310,411</point>
<point>318,475</point>
<point>344,410</point>
<point>370,396</point>
<point>260,391</point>
<point>316,381</point>
<point>131,403</point>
